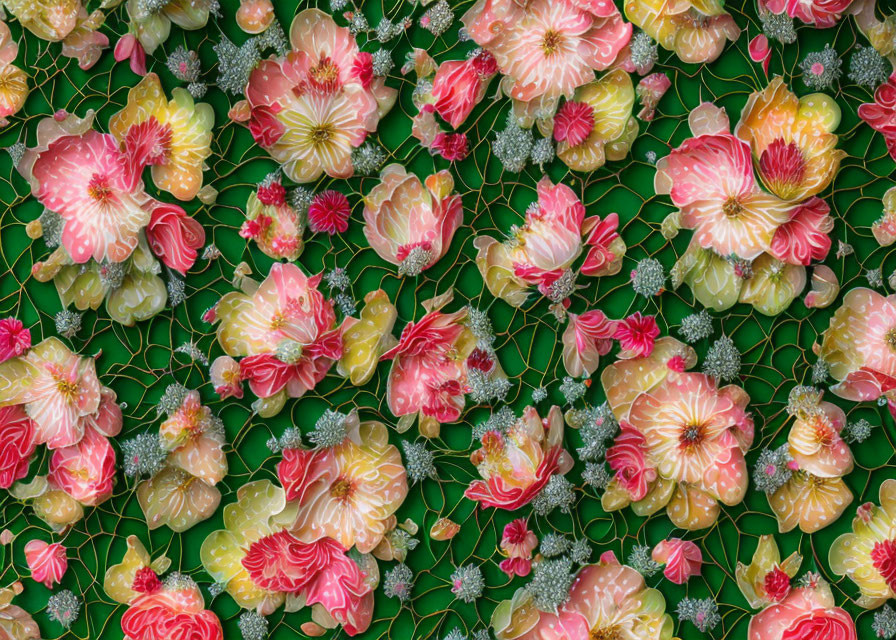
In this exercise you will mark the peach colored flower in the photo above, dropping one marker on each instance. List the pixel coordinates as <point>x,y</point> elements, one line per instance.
<point>867,555</point>
<point>792,140</point>
<point>15,622</point>
<point>409,225</point>
<point>274,225</point>
<point>310,109</point>
<point>682,558</point>
<point>195,439</point>
<point>547,49</point>
<point>807,613</point>
<point>172,136</point>
<point>225,376</point>
<point>696,30</point>
<point>585,339</point>
<point>86,470</point>
<point>176,499</point>
<point>13,81</point>
<point>347,492</point>
<point>176,611</point>
<point>517,463</point>
<point>47,562</point>
<point>121,579</point>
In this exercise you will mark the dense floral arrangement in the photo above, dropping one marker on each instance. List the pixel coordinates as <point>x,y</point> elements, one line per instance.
<point>460,320</point>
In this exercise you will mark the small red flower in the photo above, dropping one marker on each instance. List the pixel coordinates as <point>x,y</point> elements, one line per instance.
<point>480,359</point>
<point>272,194</point>
<point>883,557</point>
<point>776,584</point>
<point>485,63</point>
<point>636,334</point>
<point>573,122</point>
<point>15,339</point>
<point>362,68</point>
<point>451,146</point>
<point>329,212</point>
<point>146,581</point>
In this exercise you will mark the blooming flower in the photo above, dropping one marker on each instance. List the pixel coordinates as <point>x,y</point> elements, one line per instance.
<point>409,225</point>
<point>880,115</point>
<point>135,574</point>
<point>459,85</point>
<point>682,558</point>
<point>172,136</point>
<point>17,444</point>
<point>605,599</point>
<point>517,543</point>
<point>517,463</point>
<point>194,440</point>
<point>46,561</point>
<point>177,610</point>
<point>585,339</point>
<point>347,492</point>
<point>225,376</point>
<point>313,130</point>
<point>177,499</point>
<point>806,612</point>
<point>636,334</point>
<point>821,13</point>
<point>329,212</point>
<point>766,579</point>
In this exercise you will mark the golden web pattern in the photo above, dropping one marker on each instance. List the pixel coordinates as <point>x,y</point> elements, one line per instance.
<point>138,363</point>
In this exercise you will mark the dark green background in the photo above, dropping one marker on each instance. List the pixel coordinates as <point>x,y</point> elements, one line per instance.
<point>139,362</point>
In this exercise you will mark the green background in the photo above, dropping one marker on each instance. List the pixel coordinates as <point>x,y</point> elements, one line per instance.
<point>138,363</point>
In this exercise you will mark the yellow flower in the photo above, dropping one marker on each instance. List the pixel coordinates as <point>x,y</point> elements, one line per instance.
<point>177,499</point>
<point>695,30</point>
<point>751,578</point>
<point>809,502</point>
<point>120,577</point>
<point>173,136</point>
<point>773,285</point>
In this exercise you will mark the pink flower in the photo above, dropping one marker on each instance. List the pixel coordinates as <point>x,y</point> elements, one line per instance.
<point>17,444</point>
<point>681,557</point>
<point>636,334</point>
<point>451,146</point>
<point>821,13</point>
<point>46,561</point>
<point>362,68</point>
<point>411,223</point>
<point>265,127</point>
<point>776,584</point>
<point>129,48</point>
<point>573,122</point>
<point>650,91</point>
<point>628,459</point>
<point>146,581</point>
<point>225,377</point>
<point>517,543</point>
<point>176,612</point>
<point>880,115</point>
<point>15,339</point>
<point>460,84</point>
<point>329,212</point>
<point>174,236</point>
<point>806,613</point>
<point>585,339</point>
<point>804,238</point>
<point>760,51</point>
<point>85,471</point>
<point>605,246</point>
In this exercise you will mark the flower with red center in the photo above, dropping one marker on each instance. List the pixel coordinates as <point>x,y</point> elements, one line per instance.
<point>271,194</point>
<point>176,611</point>
<point>636,334</point>
<point>146,581</point>
<point>329,212</point>
<point>573,122</point>
<point>776,584</point>
<point>481,359</point>
<point>766,580</point>
<point>806,613</point>
<point>518,541</point>
<point>15,339</point>
<point>47,562</point>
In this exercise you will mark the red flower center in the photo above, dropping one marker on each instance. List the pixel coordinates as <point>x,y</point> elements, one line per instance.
<point>146,581</point>
<point>782,167</point>
<point>98,188</point>
<point>324,77</point>
<point>883,557</point>
<point>776,584</point>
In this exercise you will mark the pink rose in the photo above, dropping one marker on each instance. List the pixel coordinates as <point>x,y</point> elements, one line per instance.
<point>46,561</point>
<point>15,339</point>
<point>636,334</point>
<point>170,614</point>
<point>682,558</point>
<point>459,85</point>
<point>626,457</point>
<point>806,613</point>
<point>85,471</point>
<point>281,562</point>
<point>174,236</point>
<point>517,543</point>
<point>16,444</point>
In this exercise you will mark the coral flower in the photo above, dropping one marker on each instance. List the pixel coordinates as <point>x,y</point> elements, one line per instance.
<point>682,558</point>
<point>585,339</point>
<point>459,85</point>
<point>172,136</point>
<point>607,600</point>
<point>867,555</point>
<point>546,49</point>
<point>540,252</point>
<point>177,610</point>
<point>16,444</point>
<point>792,140</point>
<point>807,613</point>
<point>85,471</point>
<point>310,109</point>
<point>194,440</point>
<point>46,561</point>
<point>517,463</point>
<point>880,115</point>
<point>408,224</point>
<point>347,492</point>
<point>821,13</point>
<point>696,30</point>
<point>636,334</point>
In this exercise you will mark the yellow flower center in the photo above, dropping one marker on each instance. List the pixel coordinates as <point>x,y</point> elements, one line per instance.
<point>322,134</point>
<point>605,633</point>
<point>891,338</point>
<point>732,208</point>
<point>551,42</point>
<point>341,489</point>
<point>67,389</point>
<point>98,188</point>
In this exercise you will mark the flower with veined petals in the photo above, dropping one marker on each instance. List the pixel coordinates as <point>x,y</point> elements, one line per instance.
<point>263,566</point>
<point>91,183</point>
<point>540,251</point>
<point>172,136</point>
<point>50,20</point>
<point>767,578</point>
<point>517,544</point>
<point>175,611</point>
<point>459,85</point>
<point>792,140</point>
<point>274,224</point>
<point>636,334</point>
<point>650,91</point>
<point>408,224</point>
<point>46,561</point>
<point>152,26</point>
<point>86,470</point>
<point>710,178</point>
<point>176,499</point>
<point>195,440</point>
<point>880,115</point>
<point>16,444</point>
<point>15,622</point>
<point>61,394</point>
<point>310,109</point>
<point>821,13</point>
<point>611,129</point>
<point>607,600</point>
<point>806,613</point>
<point>682,558</point>
<point>347,492</point>
<point>773,284</point>
<point>546,49</point>
<point>517,464</point>
<point>121,578</point>
<point>696,30</point>
<point>225,377</point>
<point>286,330</point>
<point>13,81</point>
<point>815,443</point>
<point>690,438</point>
<point>867,555</point>
<point>859,346</point>
<point>329,212</point>
<point>585,339</point>
<point>429,371</point>
<point>605,247</point>
<point>367,338</point>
